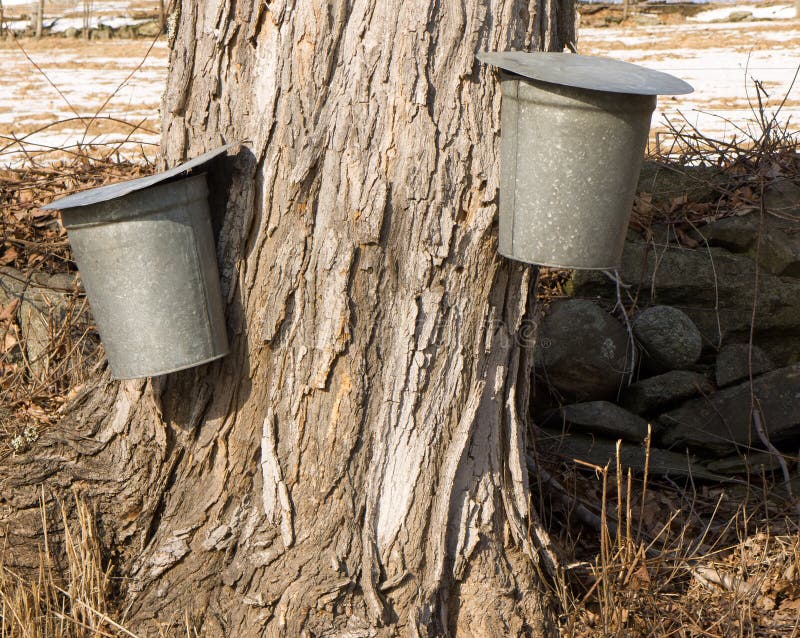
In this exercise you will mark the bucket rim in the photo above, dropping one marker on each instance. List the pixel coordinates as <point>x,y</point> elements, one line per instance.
<point>187,193</point>
<point>160,373</point>
<point>561,266</point>
<point>570,98</point>
<point>120,189</point>
<point>589,72</point>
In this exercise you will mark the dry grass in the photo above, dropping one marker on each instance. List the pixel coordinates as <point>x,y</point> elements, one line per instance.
<point>70,596</point>
<point>74,594</point>
<point>651,558</point>
<point>665,560</point>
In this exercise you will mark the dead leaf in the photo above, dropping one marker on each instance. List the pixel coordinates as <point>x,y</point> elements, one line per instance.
<point>9,311</point>
<point>74,392</point>
<point>10,255</point>
<point>783,587</point>
<point>677,202</point>
<point>641,578</point>
<point>685,239</point>
<point>8,368</point>
<point>766,602</point>
<point>9,341</point>
<point>791,605</point>
<point>34,259</point>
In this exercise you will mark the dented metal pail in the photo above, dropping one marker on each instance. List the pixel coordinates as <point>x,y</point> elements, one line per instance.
<point>149,266</point>
<point>573,134</point>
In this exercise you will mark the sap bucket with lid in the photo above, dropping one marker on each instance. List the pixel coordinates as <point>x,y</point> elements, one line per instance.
<point>145,251</point>
<point>573,134</point>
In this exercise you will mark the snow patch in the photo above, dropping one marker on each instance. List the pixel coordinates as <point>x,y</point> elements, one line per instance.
<point>776,12</point>
<point>720,62</point>
<point>60,25</point>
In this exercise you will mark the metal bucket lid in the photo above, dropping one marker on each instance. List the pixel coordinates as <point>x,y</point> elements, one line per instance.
<point>113,191</point>
<point>587,72</point>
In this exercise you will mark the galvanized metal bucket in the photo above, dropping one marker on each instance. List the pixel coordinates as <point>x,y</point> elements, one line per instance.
<point>574,131</point>
<point>148,263</point>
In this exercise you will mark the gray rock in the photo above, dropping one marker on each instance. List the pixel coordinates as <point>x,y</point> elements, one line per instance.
<point>664,182</point>
<point>669,338</point>
<point>737,233</point>
<point>779,250</point>
<point>739,16</point>
<point>43,301</point>
<point>655,393</point>
<point>600,452</point>
<point>581,350</point>
<point>660,234</point>
<point>602,417</point>
<point>646,18</point>
<point>733,363</point>
<point>717,424</point>
<point>12,283</point>
<point>747,463</point>
<point>783,196</point>
<point>714,287</point>
<point>41,316</point>
<point>591,9</point>
<point>148,29</point>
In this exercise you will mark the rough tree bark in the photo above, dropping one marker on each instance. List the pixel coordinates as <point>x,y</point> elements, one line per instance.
<point>355,466</point>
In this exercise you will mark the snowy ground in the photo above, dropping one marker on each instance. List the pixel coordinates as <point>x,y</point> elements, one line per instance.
<point>104,92</point>
<point>66,7</point>
<point>720,59</point>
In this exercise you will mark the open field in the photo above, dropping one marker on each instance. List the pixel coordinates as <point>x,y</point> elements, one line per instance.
<point>66,92</point>
<point>83,93</point>
<point>720,58</point>
<point>120,81</point>
<point>68,16</point>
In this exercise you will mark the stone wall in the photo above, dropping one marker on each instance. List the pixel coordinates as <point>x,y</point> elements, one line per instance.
<point>679,357</point>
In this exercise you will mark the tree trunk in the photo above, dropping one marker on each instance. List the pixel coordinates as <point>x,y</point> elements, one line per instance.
<point>39,18</point>
<point>162,16</point>
<point>88,6</point>
<point>355,466</point>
